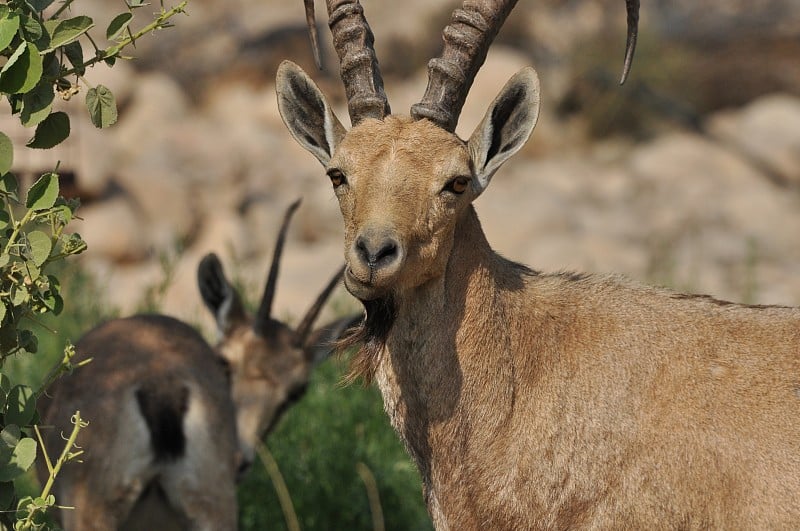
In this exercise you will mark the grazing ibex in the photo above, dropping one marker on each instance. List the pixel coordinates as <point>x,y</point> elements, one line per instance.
<point>165,408</point>
<point>532,400</point>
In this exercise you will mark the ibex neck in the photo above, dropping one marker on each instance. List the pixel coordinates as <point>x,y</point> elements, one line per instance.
<point>444,347</point>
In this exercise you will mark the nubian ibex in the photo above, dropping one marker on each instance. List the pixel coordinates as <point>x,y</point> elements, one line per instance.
<point>532,400</point>
<point>173,421</point>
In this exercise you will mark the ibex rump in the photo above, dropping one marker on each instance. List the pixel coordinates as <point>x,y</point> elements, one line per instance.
<point>533,400</point>
<point>173,421</point>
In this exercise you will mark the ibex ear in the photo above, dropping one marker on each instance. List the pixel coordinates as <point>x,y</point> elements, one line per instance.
<point>322,341</point>
<point>506,126</point>
<point>218,294</point>
<point>306,112</point>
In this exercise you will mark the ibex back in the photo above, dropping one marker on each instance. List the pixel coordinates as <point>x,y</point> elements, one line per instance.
<point>173,421</point>
<point>532,400</point>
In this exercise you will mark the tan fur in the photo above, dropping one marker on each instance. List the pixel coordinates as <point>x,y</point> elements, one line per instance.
<point>220,401</point>
<point>552,401</point>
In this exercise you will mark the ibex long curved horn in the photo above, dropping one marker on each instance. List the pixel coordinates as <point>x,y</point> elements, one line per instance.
<point>632,9</point>
<point>265,308</point>
<point>304,328</point>
<point>353,41</point>
<point>467,38</point>
<point>313,35</point>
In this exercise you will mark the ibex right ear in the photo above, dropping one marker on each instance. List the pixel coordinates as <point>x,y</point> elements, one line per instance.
<point>506,126</point>
<point>306,112</point>
<point>218,294</point>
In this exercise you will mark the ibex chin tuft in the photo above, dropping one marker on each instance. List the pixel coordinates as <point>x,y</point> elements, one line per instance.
<point>173,421</point>
<point>531,400</point>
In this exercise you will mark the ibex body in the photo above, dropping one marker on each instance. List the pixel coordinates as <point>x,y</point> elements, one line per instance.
<point>173,421</point>
<point>531,400</point>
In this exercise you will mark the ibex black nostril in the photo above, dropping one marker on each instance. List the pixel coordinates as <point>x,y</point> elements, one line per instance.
<point>386,253</point>
<point>361,248</point>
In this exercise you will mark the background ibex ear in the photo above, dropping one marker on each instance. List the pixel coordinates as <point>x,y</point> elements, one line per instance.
<point>218,294</point>
<point>506,126</point>
<point>322,341</point>
<point>306,112</point>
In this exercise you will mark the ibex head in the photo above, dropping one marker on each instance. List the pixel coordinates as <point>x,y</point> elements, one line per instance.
<point>270,362</point>
<point>404,182</point>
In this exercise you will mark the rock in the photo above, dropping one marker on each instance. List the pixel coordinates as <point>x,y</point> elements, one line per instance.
<point>767,131</point>
<point>114,231</point>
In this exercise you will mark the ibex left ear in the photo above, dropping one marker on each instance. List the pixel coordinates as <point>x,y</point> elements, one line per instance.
<point>218,294</point>
<point>506,126</point>
<point>306,112</point>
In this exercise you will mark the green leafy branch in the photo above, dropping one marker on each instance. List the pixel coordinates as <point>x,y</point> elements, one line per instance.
<point>44,57</point>
<point>28,244</point>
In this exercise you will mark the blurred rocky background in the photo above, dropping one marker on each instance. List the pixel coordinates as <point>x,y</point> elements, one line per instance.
<point>687,176</point>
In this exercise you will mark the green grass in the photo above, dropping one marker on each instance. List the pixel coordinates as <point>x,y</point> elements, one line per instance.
<point>317,446</point>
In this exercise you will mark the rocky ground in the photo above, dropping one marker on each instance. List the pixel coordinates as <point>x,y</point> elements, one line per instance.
<point>688,176</point>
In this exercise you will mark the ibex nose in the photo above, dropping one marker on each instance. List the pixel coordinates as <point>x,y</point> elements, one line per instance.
<point>376,251</point>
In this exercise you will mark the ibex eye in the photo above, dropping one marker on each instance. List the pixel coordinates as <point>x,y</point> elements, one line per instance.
<point>337,177</point>
<point>457,185</point>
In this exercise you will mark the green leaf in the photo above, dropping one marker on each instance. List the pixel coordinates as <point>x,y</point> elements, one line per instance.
<point>69,30</point>
<point>10,435</point>
<point>51,66</point>
<point>20,405</point>
<point>22,71</point>
<point>54,302</point>
<point>32,29</point>
<point>21,460</point>
<point>8,185</point>
<point>118,25</point>
<point>63,213</point>
<point>36,104</point>
<point>43,193</point>
<point>51,131</point>
<point>74,244</point>
<point>9,25</point>
<point>6,153</point>
<point>74,53</point>
<point>102,106</point>
<point>5,220</point>
<point>39,245</point>
<point>19,295</point>
<point>29,342</point>
<point>2,316</point>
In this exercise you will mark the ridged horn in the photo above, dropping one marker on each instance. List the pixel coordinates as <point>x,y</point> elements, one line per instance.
<point>353,42</point>
<point>467,38</point>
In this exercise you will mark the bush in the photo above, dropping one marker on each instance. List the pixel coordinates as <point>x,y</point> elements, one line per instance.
<point>44,56</point>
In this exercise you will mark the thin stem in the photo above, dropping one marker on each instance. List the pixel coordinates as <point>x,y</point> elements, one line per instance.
<point>17,226</point>
<point>44,450</point>
<point>64,5</point>
<point>280,487</point>
<point>372,494</point>
<point>65,454</point>
<point>115,50</point>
